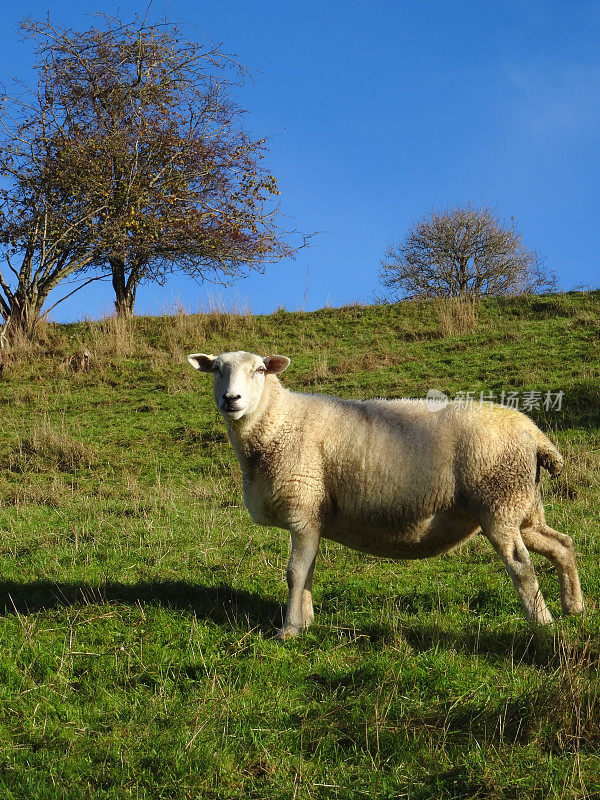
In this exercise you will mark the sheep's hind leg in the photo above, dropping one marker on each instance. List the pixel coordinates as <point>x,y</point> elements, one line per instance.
<point>558,549</point>
<point>506,540</point>
<point>299,578</point>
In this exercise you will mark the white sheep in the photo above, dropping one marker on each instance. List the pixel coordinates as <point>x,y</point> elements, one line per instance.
<point>388,477</point>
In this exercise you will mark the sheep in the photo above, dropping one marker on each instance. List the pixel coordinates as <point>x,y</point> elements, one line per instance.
<point>388,477</point>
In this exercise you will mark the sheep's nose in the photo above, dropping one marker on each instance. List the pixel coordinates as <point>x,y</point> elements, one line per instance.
<point>229,397</point>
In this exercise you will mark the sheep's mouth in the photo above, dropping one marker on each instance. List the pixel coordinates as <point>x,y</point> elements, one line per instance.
<point>233,416</point>
<point>230,409</point>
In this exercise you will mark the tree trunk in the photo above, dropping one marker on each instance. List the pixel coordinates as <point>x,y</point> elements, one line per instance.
<point>124,304</point>
<point>124,291</point>
<point>22,319</point>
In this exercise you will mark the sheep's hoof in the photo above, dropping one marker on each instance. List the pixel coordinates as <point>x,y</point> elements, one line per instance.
<point>541,620</point>
<point>308,616</point>
<point>288,632</point>
<point>576,608</point>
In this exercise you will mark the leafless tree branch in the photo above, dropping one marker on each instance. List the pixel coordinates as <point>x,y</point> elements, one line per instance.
<point>463,252</point>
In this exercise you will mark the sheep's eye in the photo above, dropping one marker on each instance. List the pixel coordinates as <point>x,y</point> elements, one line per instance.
<point>260,371</point>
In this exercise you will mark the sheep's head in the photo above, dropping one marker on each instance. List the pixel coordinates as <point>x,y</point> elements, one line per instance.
<point>239,379</point>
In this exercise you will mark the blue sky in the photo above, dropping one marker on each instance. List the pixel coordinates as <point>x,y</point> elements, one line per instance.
<point>377,111</point>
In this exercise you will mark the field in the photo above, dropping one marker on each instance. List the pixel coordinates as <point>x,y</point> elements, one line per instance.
<point>138,602</point>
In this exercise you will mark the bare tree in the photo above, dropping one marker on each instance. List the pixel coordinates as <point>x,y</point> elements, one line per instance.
<point>129,161</point>
<point>463,252</point>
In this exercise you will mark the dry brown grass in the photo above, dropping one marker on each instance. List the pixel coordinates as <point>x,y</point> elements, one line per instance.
<point>179,327</point>
<point>78,362</point>
<point>328,366</point>
<point>112,336</point>
<point>574,705</point>
<point>49,449</point>
<point>28,493</point>
<point>456,316</point>
<point>182,331</point>
<point>21,348</point>
<point>319,371</point>
<point>370,361</point>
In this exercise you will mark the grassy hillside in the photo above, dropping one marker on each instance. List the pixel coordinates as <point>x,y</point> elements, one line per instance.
<point>138,602</point>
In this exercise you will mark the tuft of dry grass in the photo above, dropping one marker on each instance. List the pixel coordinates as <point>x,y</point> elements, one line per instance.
<point>327,367</point>
<point>370,361</point>
<point>456,316</point>
<point>569,714</point>
<point>20,347</point>
<point>182,330</point>
<point>78,362</point>
<point>26,493</point>
<point>49,449</point>
<point>319,371</point>
<point>114,336</point>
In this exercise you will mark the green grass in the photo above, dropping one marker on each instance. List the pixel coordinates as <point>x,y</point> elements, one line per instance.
<point>138,602</point>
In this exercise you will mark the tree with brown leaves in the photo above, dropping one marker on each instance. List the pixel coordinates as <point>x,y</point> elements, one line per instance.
<point>129,160</point>
<point>465,253</point>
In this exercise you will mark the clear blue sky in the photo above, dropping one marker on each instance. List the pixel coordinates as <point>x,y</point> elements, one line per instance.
<point>377,111</point>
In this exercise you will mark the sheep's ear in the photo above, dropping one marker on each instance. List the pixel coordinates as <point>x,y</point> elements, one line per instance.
<point>276,364</point>
<point>202,362</point>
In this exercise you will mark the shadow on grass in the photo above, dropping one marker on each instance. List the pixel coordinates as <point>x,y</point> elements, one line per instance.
<point>221,604</point>
<point>538,647</point>
<point>552,713</point>
<point>224,605</point>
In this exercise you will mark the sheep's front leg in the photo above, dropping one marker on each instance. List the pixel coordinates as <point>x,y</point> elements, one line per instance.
<point>308,613</point>
<point>299,574</point>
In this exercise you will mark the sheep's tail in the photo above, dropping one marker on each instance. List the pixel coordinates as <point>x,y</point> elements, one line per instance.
<point>548,456</point>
